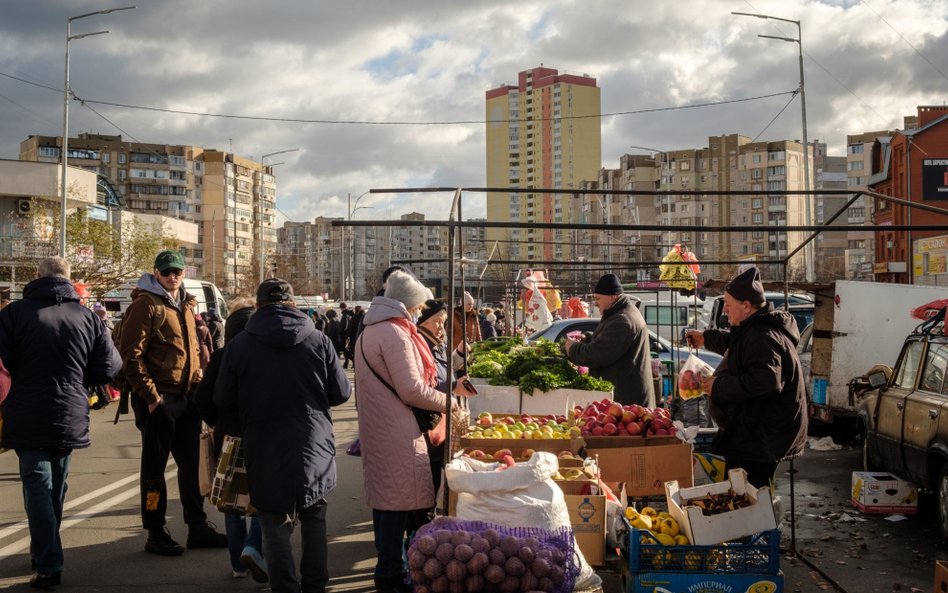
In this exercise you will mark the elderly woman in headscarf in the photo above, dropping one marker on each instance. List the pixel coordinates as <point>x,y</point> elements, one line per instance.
<point>467,324</point>
<point>394,369</point>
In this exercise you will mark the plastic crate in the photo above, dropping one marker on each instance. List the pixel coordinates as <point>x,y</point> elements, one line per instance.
<point>685,582</point>
<point>758,554</point>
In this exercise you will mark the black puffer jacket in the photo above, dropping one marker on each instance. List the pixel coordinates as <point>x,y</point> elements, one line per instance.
<point>618,351</point>
<point>53,347</point>
<point>284,376</point>
<point>759,388</point>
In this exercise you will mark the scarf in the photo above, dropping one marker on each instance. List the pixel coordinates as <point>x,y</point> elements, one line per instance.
<point>427,360</point>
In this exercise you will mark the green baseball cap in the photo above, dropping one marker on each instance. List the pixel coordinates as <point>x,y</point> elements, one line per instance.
<point>168,260</point>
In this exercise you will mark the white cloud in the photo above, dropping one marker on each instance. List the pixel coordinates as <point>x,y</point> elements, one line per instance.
<point>367,60</point>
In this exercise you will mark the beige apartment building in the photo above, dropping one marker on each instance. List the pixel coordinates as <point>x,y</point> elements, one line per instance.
<point>230,198</point>
<point>860,245</point>
<point>543,132</point>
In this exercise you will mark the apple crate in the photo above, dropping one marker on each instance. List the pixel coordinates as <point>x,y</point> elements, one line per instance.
<point>757,554</point>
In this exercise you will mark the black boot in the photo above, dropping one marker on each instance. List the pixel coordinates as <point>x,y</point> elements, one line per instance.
<point>45,581</point>
<point>203,535</point>
<point>160,542</point>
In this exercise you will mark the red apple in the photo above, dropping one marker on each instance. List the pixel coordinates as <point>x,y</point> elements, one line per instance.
<point>597,431</point>
<point>628,416</point>
<point>499,454</point>
<point>615,410</point>
<point>485,419</point>
<point>477,454</point>
<point>634,428</point>
<point>661,432</point>
<point>609,429</point>
<point>603,418</point>
<point>527,453</point>
<point>622,432</point>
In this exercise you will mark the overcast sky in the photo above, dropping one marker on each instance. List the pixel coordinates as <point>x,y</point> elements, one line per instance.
<point>867,64</point>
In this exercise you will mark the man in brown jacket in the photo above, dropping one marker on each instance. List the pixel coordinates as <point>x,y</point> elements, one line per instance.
<point>161,361</point>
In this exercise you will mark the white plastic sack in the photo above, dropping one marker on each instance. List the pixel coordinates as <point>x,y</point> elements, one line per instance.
<point>521,496</point>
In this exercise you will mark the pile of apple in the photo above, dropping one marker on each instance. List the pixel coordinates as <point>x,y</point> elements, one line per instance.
<point>608,418</point>
<point>523,427</point>
<point>499,454</point>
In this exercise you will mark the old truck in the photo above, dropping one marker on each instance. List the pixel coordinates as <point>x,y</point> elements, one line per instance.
<point>856,325</point>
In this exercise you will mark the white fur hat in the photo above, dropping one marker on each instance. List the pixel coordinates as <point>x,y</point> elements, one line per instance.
<point>405,288</point>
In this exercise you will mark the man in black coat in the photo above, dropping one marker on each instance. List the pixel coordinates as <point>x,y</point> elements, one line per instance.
<point>618,350</point>
<point>53,347</point>
<point>757,395</point>
<point>284,376</point>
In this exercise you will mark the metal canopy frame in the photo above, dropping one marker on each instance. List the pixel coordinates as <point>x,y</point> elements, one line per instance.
<point>454,222</point>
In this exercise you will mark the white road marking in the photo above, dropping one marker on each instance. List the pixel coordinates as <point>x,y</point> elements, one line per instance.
<point>72,520</point>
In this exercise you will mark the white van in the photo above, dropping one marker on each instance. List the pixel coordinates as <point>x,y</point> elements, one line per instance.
<point>667,313</point>
<point>207,294</point>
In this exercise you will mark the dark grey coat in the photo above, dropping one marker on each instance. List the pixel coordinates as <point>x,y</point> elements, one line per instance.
<point>284,376</point>
<point>759,388</point>
<point>618,351</point>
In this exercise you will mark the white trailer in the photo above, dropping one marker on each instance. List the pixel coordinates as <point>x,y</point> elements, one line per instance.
<point>859,325</point>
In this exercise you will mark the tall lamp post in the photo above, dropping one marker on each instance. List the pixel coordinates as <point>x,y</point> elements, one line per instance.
<point>349,261</point>
<point>808,250</point>
<point>66,93</point>
<point>263,254</point>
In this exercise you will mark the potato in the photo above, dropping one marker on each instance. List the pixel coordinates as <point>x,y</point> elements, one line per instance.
<point>492,537</point>
<point>463,552</point>
<point>510,546</point>
<point>439,585</point>
<point>528,582</point>
<point>478,563</point>
<point>474,583</point>
<point>426,545</point>
<point>510,585</point>
<point>514,567</point>
<point>494,574</point>
<point>526,554</point>
<point>540,567</point>
<point>416,560</point>
<point>479,544</point>
<point>497,557</point>
<point>456,571</point>
<point>445,553</point>
<point>443,536</point>
<point>433,569</point>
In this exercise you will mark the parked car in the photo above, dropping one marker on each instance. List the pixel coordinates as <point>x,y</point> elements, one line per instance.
<point>904,421</point>
<point>801,307</point>
<point>666,351</point>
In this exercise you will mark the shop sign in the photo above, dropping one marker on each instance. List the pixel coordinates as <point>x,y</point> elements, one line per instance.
<point>935,179</point>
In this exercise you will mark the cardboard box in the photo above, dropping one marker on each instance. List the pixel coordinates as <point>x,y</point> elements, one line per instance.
<point>879,492</point>
<point>709,530</point>
<point>587,515</point>
<point>644,469</point>
<point>554,446</point>
<point>941,576</point>
<point>708,468</point>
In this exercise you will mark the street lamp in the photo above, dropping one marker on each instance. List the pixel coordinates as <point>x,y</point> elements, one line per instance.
<point>263,163</point>
<point>66,93</point>
<point>354,207</point>
<point>808,250</point>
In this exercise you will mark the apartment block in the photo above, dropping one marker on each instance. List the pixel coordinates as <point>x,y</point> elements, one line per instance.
<point>542,133</point>
<point>413,246</point>
<point>230,198</point>
<point>860,244</point>
<point>830,246</point>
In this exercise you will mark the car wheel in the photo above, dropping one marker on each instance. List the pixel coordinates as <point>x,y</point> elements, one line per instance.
<point>943,501</point>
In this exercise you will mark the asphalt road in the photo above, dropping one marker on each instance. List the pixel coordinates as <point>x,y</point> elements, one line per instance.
<point>104,541</point>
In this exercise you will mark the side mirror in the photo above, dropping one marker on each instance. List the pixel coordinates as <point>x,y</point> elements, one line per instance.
<point>877,379</point>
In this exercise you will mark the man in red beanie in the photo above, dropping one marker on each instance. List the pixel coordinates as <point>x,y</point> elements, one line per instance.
<point>757,394</point>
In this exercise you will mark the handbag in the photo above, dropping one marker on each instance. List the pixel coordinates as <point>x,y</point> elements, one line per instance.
<point>230,491</point>
<point>426,419</point>
<point>207,462</point>
<point>355,448</point>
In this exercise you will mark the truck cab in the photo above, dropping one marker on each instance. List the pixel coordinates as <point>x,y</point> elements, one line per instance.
<point>801,306</point>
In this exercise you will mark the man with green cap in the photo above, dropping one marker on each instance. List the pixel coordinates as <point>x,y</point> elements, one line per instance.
<point>161,361</point>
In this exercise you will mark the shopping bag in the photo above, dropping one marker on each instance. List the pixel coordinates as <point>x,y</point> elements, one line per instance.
<point>207,463</point>
<point>230,491</point>
<point>460,420</point>
<point>355,448</point>
<point>690,376</point>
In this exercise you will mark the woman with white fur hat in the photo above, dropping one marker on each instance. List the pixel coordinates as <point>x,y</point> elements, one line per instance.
<point>394,369</point>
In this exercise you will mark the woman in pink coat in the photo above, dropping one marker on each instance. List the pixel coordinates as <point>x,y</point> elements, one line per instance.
<point>395,464</point>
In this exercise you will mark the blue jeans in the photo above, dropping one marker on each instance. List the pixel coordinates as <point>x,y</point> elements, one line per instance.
<point>239,537</point>
<point>43,474</point>
<point>314,565</point>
